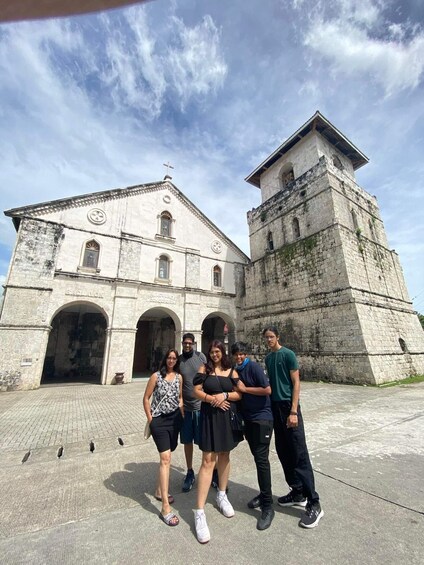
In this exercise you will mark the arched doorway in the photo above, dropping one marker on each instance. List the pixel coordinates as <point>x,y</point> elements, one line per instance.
<point>217,326</point>
<point>76,345</point>
<point>156,331</point>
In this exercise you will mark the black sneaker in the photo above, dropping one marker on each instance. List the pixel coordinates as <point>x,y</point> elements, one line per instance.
<point>188,481</point>
<point>255,502</point>
<point>215,480</point>
<point>312,515</point>
<point>266,518</point>
<point>292,499</point>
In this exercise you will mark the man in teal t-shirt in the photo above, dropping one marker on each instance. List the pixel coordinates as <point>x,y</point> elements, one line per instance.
<point>290,442</point>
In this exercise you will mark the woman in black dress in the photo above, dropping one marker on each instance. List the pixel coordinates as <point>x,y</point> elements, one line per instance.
<point>214,387</point>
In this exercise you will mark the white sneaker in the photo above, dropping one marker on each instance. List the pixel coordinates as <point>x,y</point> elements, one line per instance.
<point>202,531</point>
<point>224,505</point>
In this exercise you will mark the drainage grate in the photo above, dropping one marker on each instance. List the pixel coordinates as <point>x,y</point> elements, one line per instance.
<point>26,456</point>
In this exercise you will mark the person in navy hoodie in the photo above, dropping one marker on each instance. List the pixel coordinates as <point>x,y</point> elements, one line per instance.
<point>258,421</point>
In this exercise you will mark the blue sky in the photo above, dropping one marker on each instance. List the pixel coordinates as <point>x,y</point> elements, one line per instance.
<point>101,101</point>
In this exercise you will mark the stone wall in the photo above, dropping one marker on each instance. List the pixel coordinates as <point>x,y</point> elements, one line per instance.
<point>333,287</point>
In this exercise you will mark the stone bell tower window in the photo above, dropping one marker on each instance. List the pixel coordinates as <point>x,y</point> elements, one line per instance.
<point>337,163</point>
<point>296,228</point>
<point>270,242</point>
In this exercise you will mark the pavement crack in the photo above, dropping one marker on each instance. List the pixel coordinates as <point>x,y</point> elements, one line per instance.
<point>369,493</point>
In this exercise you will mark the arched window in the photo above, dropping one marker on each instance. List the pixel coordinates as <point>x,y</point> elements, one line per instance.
<point>91,255</point>
<point>296,228</point>
<point>403,345</point>
<point>287,177</point>
<point>270,242</point>
<point>337,163</point>
<point>165,224</point>
<point>217,276</point>
<point>163,271</point>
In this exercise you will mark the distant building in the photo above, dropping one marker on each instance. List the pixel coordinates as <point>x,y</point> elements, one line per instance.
<point>104,283</point>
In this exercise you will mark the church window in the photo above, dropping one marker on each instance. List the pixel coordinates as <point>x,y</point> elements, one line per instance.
<point>165,224</point>
<point>217,276</point>
<point>296,228</point>
<point>163,271</point>
<point>337,163</point>
<point>270,242</point>
<point>91,255</point>
<point>287,177</point>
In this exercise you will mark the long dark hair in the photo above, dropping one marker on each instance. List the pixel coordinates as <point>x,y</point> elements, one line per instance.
<point>162,367</point>
<point>225,361</point>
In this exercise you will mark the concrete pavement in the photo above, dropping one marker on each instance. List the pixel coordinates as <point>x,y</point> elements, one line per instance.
<point>78,479</point>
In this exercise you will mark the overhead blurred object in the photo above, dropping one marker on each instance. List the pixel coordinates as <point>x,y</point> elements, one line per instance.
<point>13,10</point>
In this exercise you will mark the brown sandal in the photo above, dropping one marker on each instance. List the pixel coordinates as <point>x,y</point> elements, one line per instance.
<point>170,498</point>
<point>170,519</point>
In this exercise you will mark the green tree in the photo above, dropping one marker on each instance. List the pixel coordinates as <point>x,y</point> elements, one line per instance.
<point>421,319</point>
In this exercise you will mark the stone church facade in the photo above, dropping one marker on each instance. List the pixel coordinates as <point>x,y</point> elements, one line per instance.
<point>104,283</point>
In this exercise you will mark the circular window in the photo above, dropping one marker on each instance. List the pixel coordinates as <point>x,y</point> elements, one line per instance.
<point>97,216</point>
<point>216,246</point>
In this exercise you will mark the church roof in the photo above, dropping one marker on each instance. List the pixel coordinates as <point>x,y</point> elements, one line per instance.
<point>95,197</point>
<point>317,123</point>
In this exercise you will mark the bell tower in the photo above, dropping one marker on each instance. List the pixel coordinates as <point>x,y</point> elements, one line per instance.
<point>321,269</point>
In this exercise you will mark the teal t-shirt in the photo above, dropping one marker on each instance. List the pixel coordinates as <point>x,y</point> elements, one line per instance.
<point>278,365</point>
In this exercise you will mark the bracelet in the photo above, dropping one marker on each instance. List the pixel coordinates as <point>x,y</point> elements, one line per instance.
<point>226,395</point>
<point>293,413</point>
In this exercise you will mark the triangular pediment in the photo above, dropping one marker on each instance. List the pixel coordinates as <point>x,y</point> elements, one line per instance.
<point>60,210</point>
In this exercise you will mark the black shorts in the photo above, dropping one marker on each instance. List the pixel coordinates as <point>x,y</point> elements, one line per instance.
<point>165,429</point>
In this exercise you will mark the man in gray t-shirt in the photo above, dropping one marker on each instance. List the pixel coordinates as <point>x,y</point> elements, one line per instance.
<point>190,362</point>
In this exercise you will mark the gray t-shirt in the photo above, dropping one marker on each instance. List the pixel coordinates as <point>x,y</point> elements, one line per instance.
<point>188,369</point>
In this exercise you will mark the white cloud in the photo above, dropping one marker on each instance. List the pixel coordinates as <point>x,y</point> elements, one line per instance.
<point>356,40</point>
<point>196,64</point>
<point>394,65</point>
<point>133,74</point>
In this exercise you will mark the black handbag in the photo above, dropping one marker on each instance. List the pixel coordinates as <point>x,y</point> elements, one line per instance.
<point>237,424</point>
<point>236,419</point>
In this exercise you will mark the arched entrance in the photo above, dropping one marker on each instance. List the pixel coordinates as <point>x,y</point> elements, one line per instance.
<point>156,331</point>
<point>217,326</point>
<point>76,345</point>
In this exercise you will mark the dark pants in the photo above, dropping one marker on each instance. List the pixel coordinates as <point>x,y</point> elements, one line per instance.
<point>258,434</point>
<point>292,452</point>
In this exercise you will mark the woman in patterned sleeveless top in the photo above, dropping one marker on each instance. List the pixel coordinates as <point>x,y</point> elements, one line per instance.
<point>165,414</point>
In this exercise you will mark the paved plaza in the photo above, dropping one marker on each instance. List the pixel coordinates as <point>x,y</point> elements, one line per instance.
<point>78,478</point>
